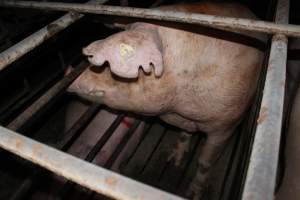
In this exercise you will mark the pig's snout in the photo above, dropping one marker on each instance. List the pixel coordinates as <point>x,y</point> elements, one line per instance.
<point>84,87</point>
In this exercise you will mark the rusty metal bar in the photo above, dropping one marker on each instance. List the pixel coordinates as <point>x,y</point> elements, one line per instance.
<point>72,134</point>
<point>94,151</point>
<point>86,174</point>
<point>262,170</point>
<point>183,17</point>
<point>18,50</point>
<point>46,98</point>
<point>31,93</point>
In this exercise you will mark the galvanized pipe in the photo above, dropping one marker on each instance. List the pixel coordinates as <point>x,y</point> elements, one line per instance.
<point>21,48</point>
<point>262,169</point>
<point>86,174</point>
<point>183,17</point>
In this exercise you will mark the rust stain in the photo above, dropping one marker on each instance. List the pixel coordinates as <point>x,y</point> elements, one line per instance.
<point>111,181</point>
<point>263,115</point>
<point>19,143</point>
<point>52,29</point>
<point>36,148</point>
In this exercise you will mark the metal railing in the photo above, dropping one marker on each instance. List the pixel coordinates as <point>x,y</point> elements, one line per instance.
<point>18,50</point>
<point>262,170</point>
<point>261,174</point>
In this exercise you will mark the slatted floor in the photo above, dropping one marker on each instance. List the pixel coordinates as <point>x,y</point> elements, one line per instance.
<point>139,152</point>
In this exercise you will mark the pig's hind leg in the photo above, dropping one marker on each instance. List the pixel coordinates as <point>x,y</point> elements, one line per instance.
<point>210,153</point>
<point>182,147</point>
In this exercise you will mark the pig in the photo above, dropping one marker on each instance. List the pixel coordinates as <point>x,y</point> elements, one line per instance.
<point>196,82</point>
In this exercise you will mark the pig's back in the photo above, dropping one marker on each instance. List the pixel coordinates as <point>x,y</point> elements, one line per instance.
<point>221,9</point>
<point>215,77</point>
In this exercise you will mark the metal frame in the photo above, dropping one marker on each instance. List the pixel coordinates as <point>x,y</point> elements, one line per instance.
<point>261,174</point>
<point>183,17</point>
<point>86,174</point>
<point>60,86</point>
<point>262,170</point>
<point>18,50</point>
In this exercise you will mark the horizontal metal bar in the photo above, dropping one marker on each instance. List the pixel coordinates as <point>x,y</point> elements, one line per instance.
<point>262,169</point>
<point>86,174</point>
<point>93,152</point>
<point>26,115</point>
<point>63,144</point>
<point>74,132</point>
<point>18,50</point>
<point>32,92</point>
<point>183,17</point>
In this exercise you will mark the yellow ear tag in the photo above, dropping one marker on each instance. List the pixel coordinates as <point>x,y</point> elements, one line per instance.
<point>126,51</point>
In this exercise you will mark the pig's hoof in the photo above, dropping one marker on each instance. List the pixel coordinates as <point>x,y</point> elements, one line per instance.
<point>182,147</point>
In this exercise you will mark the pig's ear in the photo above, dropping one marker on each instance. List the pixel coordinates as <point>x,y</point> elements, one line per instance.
<point>137,49</point>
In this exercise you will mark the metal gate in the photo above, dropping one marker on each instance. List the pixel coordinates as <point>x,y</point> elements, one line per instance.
<point>262,168</point>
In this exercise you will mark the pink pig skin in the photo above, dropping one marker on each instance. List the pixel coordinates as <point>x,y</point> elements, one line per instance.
<point>195,82</point>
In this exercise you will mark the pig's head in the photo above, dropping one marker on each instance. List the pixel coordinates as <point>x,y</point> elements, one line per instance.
<point>128,51</point>
<point>88,85</point>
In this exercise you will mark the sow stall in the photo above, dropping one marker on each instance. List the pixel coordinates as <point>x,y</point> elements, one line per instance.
<point>136,166</point>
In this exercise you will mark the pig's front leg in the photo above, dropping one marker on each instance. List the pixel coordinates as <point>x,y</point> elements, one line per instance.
<point>210,153</point>
<point>182,146</point>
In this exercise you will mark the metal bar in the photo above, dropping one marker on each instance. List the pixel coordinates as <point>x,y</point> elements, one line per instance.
<point>108,164</point>
<point>63,144</point>
<point>17,105</point>
<point>46,98</point>
<point>73,133</point>
<point>262,169</point>
<point>86,174</point>
<point>183,17</point>
<point>18,50</point>
<point>121,145</point>
<point>94,151</point>
<point>108,133</point>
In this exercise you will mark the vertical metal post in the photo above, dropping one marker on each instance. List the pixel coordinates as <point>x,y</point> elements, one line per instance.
<point>262,169</point>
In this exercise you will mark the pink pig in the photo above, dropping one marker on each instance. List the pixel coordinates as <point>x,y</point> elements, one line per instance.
<point>193,81</point>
